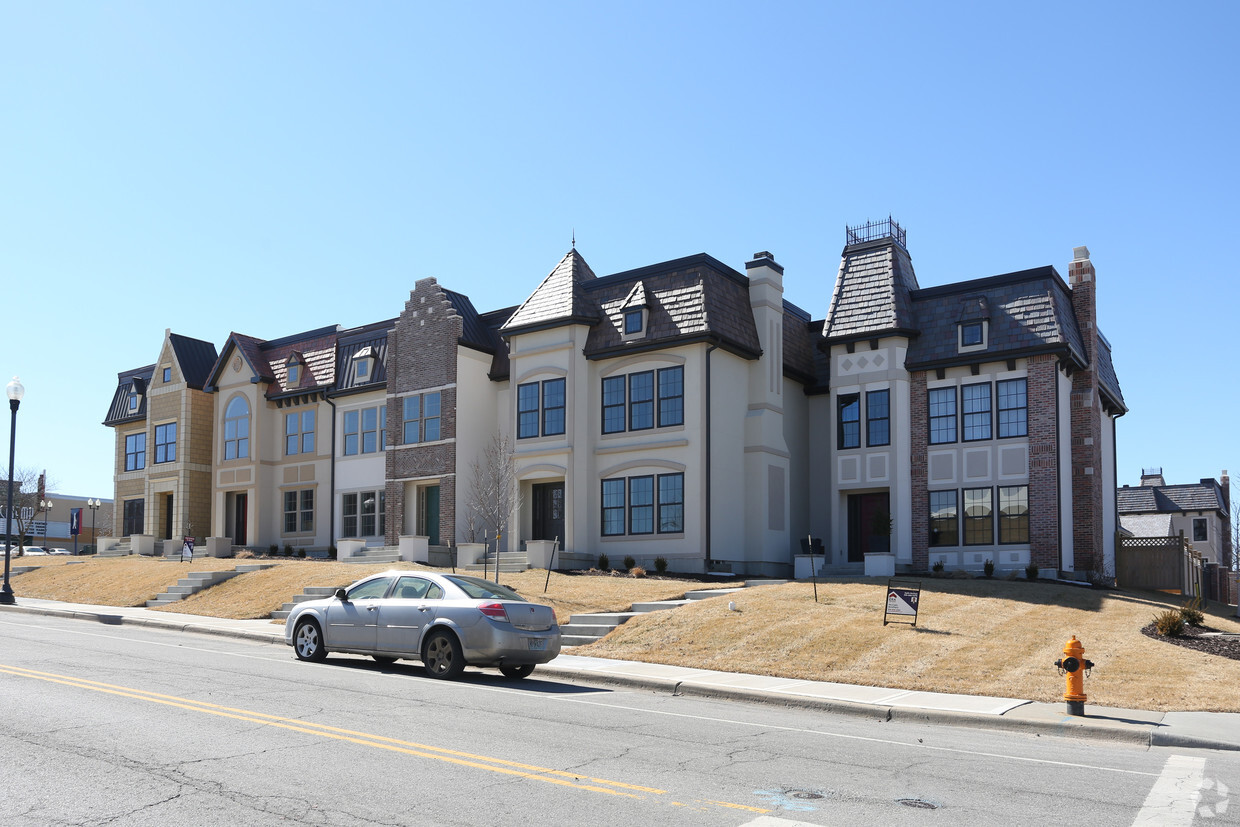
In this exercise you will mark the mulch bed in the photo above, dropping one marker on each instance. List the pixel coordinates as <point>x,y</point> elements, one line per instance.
<point>1224,647</point>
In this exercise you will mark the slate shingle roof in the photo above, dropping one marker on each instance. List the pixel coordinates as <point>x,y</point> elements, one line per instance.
<point>559,298</point>
<point>696,298</point>
<point>871,295</point>
<point>800,338</point>
<point>269,360</point>
<point>1147,525</point>
<point>118,411</point>
<point>1206,495</point>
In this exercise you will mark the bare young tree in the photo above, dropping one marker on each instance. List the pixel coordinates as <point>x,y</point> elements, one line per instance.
<point>25,503</point>
<point>495,492</point>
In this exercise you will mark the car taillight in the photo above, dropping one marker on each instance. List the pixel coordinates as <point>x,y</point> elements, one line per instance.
<point>494,610</point>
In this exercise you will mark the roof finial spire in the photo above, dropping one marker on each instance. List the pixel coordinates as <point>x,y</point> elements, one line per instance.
<point>574,238</point>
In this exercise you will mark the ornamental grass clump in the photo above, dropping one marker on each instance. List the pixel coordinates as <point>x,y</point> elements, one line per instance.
<point>1169,623</point>
<point>1191,612</point>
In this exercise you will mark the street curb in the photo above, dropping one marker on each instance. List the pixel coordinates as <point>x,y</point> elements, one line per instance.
<point>169,625</point>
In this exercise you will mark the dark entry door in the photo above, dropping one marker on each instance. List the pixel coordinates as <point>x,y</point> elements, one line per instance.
<point>548,511</point>
<point>240,510</point>
<point>428,514</point>
<point>168,517</point>
<point>862,509</point>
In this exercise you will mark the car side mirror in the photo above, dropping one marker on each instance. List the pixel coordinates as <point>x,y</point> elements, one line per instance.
<point>342,595</point>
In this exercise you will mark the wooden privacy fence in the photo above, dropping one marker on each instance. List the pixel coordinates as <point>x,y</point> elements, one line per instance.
<point>1168,564</point>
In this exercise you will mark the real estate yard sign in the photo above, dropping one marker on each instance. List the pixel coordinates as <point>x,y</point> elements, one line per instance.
<point>903,598</point>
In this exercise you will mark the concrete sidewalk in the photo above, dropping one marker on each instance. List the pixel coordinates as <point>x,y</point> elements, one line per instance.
<point>1205,730</point>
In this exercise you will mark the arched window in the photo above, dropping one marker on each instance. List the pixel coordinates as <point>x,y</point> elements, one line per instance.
<point>237,429</point>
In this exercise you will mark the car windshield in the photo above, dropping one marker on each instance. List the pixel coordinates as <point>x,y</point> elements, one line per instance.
<point>480,589</point>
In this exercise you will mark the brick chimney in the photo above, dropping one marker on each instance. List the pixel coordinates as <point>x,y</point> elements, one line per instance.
<point>1224,483</point>
<point>1086,417</point>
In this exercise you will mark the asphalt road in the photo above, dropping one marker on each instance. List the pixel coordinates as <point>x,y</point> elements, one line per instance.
<point>136,726</point>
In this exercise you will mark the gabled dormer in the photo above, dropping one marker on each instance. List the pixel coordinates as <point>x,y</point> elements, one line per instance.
<point>635,314</point>
<point>294,370</point>
<point>364,364</point>
<point>129,400</point>
<point>973,324</point>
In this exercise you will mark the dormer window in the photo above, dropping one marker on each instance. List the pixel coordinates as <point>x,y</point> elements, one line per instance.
<point>136,389</point>
<point>633,321</point>
<point>364,362</point>
<point>294,374</point>
<point>293,367</point>
<point>970,334</point>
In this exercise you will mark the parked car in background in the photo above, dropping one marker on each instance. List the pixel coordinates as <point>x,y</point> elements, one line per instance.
<point>447,621</point>
<point>35,551</point>
<point>59,551</point>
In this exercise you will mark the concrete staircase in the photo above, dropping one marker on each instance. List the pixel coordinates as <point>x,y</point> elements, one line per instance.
<point>310,593</point>
<point>509,561</point>
<point>121,549</point>
<point>587,628</point>
<point>377,554</point>
<point>197,581</point>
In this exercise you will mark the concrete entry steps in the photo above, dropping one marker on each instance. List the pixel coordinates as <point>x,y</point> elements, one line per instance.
<point>197,581</point>
<point>310,593</point>
<point>587,628</point>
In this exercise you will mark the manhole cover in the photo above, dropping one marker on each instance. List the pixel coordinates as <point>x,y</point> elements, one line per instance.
<point>917,803</point>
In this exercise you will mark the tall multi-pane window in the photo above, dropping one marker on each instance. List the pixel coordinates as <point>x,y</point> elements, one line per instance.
<point>299,433</point>
<point>848,413</point>
<point>134,511</point>
<point>364,513</point>
<point>1013,407</point>
<point>298,511</point>
<point>613,507</point>
<point>527,410</point>
<point>135,452</point>
<point>943,524</point>
<point>641,400</point>
<point>671,396</point>
<point>1013,514</point>
<point>365,430</point>
<point>166,442</point>
<point>421,418</point>
<point>979,524</point>
<point>942,415</point>
<point>1201,530</point>
<point>553,407</point>
<point>975,401</point>
<point>878,417</point>
<point>237,429</point>
<point>641,505</point>
<point>614,401</point>
<point>541,408</point>
<point>671,503</point>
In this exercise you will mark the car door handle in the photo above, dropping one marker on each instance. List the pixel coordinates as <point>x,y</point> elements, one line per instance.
<point>424,608</point>
<point>372,608</point>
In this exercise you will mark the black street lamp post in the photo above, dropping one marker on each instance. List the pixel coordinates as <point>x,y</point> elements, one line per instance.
<point>15,392</point>
<point>93,505</point>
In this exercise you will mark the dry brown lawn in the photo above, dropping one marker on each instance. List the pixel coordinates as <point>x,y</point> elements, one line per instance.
<point>989,637</point>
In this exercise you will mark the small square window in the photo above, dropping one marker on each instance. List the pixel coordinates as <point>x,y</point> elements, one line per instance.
<point>633,321</point>
<point>970,334</point>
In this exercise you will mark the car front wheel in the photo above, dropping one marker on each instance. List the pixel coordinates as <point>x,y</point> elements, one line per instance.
<point>517,672</point>
<point>442,656</point>
<point>308,641</point>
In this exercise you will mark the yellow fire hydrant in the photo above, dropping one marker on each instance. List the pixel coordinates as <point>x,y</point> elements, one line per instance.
<point>1074,667</point>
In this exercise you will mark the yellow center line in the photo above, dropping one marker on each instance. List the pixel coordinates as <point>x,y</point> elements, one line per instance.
<point>497,765</point>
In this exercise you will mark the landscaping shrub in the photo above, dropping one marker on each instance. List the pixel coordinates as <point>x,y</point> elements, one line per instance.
<point>1191,612</point>
<point>637,571</point>
<point>273,549</point>
<point>288,549</point>
<point>989,568</point>
<point>660,565</point>
<point>629,563</point>
<point>331,552</point>
<point>1031,571</point>
<point>604,564</point>
<point>245,554</point>
<point>301,552</point>
<point>937,568</point>
<point>1169,623</point>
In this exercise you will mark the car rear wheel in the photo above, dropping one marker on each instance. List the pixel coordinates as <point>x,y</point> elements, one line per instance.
<point>517,672</point>
<point>308,641</point>
<point>442,656</point>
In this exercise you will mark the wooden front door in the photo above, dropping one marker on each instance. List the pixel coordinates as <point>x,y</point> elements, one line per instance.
<point>862,509</point>
<point>548,514</point>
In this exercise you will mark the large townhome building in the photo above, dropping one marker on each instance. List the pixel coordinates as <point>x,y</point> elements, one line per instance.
<point>1200,512</point>
<point>683,410</point>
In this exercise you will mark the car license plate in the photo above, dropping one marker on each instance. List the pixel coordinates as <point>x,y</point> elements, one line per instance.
<point>537,644</point>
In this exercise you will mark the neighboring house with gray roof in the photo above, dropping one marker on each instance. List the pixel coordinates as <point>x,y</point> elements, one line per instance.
<point>1199,512</point>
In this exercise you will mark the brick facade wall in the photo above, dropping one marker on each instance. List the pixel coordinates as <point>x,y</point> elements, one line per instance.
<point>1043,414</point>
<point>919,426</point>
<point>422,355</point>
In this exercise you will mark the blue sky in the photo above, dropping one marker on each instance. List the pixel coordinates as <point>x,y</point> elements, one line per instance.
<point>275,167</point>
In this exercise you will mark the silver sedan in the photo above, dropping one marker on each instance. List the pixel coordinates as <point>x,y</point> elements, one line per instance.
<point>447,621</point>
